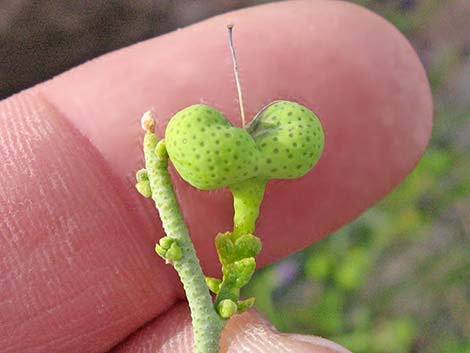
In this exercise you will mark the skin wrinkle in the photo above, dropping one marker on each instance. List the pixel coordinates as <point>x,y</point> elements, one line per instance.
<point>60,249</point>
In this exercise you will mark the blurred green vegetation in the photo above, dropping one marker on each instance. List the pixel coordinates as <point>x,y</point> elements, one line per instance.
<point>397,279</point>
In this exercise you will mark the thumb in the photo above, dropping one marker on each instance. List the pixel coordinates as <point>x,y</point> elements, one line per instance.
<point>245,333</point>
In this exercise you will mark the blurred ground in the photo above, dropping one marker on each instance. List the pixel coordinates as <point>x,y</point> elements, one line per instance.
<point>394,281</point>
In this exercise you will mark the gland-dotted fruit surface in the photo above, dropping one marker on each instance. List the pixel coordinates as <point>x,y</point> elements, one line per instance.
<point>285,140</point>
<point>290,138</point>
<point>207,151</point>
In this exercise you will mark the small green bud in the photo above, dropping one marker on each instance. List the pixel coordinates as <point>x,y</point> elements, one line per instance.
<point>213,284</point>
<point>174,253</point>
<point>227,308</point>
<point>160,251</point>
<point>160,150</point>
<point>141,175</point>
<point>166,242</point>
<point>143,187</point>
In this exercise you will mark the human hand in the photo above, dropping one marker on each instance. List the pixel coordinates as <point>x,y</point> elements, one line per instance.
<point>78,269</point>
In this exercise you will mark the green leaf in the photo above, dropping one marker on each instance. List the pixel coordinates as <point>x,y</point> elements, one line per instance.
<point>238,273</point>
<point>247,245</point>
<point>225,248</point>
<point>244,305</point>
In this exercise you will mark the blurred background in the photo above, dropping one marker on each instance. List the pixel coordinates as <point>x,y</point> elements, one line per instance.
<point>397,280</point>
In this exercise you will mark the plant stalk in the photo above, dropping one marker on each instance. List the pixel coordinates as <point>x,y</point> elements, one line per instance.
<point>207,324</point>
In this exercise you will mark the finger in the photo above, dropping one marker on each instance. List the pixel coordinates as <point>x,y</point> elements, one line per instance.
<point>249,332</point>
<point>77,240</point>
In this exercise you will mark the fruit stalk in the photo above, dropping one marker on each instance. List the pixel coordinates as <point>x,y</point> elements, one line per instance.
<point>207,324</point>
<point>247,198</point>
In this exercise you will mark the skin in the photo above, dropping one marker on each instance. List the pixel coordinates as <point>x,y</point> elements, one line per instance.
<point>79,272</point>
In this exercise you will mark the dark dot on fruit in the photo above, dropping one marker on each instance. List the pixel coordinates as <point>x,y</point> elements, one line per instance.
<point>287,150</point>
<point>226,169</point>
<point>301,126</point>
<point>235,156</point>
<point>226,161</point>
<point>314,134</point>
<point>275,138</point>
<point>263,144</point>
<point>276,151</point>
<point>274,170</point>
<point>299,166</point>
<point>299,119</point>
<point>285,167</point>
<point>290,156</point>
<point>303,110</point>
<point>290,113</point>
<point>238,143</point>
<point>198,119</point>
<point>294,144</point>
<point>201,144</point>
<point>255,168</point>
<point>211,167</point>
<point>308,139</point>
<point>213,134</point>
<point>289,122</point>
<point>203,129</point>
<point>213,175</point>
<point>208,111</point>
<point>217,153</point>
<point>227,135</point>
<point>291,135</point>
<point>198,156</point>
<point>229,150</point>
<point>268,160</point>
<point>219,128</point>
<point>217,142</point>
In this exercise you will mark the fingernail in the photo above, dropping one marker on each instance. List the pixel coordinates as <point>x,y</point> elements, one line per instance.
<point>251,332</point>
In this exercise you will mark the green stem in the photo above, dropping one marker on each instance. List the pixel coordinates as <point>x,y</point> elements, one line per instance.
<point>247,198</point>
<point>207,324</point>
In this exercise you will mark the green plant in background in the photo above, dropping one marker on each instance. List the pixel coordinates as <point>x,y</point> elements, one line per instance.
<point>284,140</point>
<point>396,279</point>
